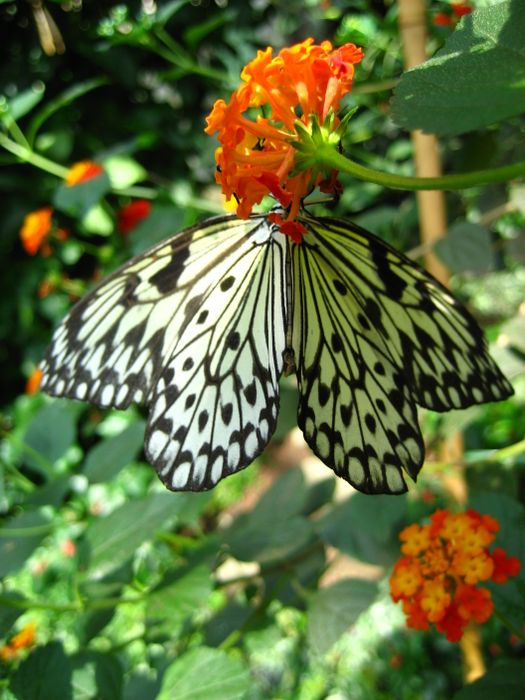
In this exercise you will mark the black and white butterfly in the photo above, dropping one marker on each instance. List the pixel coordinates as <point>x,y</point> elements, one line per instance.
<point>201,327</point>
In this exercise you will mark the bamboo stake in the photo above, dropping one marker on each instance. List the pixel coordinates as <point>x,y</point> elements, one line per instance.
<point>433,225</point>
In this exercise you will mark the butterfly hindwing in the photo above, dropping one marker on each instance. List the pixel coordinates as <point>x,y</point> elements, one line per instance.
<point>194,328</point>
<point>373,335</point>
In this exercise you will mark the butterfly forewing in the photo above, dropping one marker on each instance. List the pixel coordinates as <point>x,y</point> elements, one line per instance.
<point>373,335</point>
<point>195,328</point>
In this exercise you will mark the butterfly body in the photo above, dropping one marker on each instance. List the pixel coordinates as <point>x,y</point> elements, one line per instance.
<point>201,328</point>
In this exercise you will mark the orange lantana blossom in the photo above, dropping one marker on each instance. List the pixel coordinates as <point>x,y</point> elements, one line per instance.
<point>22,640</point>
<point>38,230</point>
<point>35,230</point>
<point>278,99</point>
<point>437,578</point>
<point>83,171</point>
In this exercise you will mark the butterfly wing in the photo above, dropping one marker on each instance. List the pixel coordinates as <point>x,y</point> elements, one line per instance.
<point>195,328</point>
<point>374,334</point>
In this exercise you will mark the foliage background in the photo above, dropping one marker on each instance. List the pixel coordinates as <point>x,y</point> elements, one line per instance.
<point>274,584</point>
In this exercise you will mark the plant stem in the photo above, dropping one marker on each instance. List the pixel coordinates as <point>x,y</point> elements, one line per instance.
<point>96,604</point>
<point>510,625</point>
<point>329,158</point>
<point>28,156</point>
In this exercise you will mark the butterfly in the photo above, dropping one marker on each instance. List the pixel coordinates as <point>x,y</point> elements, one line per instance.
<point>201,327</point>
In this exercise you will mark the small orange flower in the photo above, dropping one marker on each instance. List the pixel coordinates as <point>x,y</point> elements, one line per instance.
<point>258,127</point>
<point>35,230</point>
<point>68,548</point>
<point>132,214</point>
<point>22,640</point>
<point>33,382</point>
<point>82,171</point>
<point>441,564</point>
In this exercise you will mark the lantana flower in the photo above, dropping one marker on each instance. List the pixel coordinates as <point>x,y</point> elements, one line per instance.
<point>82,171</point>
<point>283,102</point>
<point>442,564</point>
<point>132,214</point>
<point>38,230</point>
<point>33,381</point>
<point>22,640</point>
<point>35,230</point>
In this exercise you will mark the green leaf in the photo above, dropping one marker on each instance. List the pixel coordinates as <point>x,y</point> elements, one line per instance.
<point>113,540</point>
<point>96,676</point>
<point>19,538</point>
<point>332,610</point>
<point>467,247</point>
<point>97,220</point>
<point>21,104</point>
<point>162,222</point>
<point>364,528</point>
<point>476,79</point>
<point>92,623</point>
<point>107,458</point>
<point>176,599</point>
<point>140,686</point>
<point>505,680</point>
<point>49,435</point>
<point>51,493</point>
<point>226,621</point>
<point>250,539</point>
<point>285,498</point>
<point>45,673</point>
<point>205,674</point>
<point>123,171</point>
<point>77,200</point>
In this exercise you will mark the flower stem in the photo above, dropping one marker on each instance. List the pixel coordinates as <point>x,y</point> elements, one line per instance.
<point>329,158</point>
<point>28,156</point>
<point>510,625</point>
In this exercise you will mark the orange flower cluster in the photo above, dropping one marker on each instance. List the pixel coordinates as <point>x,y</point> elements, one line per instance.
<point>24,639</point>
<point>82,171</point>
<point>257,127</point>
<point>443,562</point>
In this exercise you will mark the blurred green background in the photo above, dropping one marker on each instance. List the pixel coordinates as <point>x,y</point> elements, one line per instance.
<point>274,585</point>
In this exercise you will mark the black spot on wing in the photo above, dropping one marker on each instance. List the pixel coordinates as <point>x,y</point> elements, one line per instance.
<point>227,283</point>
<point>233,340</point>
